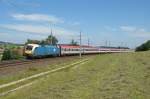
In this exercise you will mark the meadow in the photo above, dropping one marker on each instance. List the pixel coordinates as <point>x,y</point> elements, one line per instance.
<point>104,76</point>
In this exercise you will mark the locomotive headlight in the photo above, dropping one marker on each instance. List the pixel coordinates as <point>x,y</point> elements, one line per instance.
<point>28,52</point>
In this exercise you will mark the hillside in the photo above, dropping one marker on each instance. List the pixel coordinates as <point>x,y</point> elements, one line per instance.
<point>106,76</point>
<point>9,45</point>
<point>1,42</point>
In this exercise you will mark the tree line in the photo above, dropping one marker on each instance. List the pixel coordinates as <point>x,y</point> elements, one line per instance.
<point>49,40</point>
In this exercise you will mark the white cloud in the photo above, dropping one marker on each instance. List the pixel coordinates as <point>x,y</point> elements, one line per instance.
<point>38,18</point>
<point>3,33</point>
<point>128,28</point>
<point>110,28</point>
<point>38,29</point>
<point>75,23</point>
<point>138,32</point>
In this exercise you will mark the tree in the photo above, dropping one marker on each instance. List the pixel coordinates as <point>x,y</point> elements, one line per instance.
<point>51,40</point>
<point>144,47</point>
<point>29,41</point>
<point>43,42</point>
<point>10,54</point>
<point>73,42</point>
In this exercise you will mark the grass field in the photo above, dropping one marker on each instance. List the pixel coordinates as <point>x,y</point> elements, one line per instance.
<point>107,76</point>
<point>9,46</point>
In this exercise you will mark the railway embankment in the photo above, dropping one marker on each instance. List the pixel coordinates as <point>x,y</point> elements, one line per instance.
<point>112,76</point>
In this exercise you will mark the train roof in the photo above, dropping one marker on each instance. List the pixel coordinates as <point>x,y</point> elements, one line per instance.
<point>35,45</point>
<point>75,46</point>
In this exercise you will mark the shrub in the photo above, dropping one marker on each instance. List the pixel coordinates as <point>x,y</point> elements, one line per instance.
<point>7,55</point>
<point>144,47</point>
<point>12,54</point>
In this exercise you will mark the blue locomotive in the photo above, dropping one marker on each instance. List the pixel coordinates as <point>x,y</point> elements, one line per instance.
<point>35,50</point>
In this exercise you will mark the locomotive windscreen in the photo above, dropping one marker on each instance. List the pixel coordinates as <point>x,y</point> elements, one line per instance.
<point>29,47</point>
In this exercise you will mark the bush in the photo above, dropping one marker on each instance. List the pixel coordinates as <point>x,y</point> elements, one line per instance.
<point>7,55</point>
<point>144,47</point>
<point>11,54</point>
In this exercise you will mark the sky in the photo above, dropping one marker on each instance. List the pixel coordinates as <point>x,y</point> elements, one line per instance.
<point>103,22</point>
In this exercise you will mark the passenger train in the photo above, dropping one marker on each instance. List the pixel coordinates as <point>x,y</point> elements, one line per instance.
<point>36,50</point>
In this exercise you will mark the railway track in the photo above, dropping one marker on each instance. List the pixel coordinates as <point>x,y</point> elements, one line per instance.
<point>14,63</point>
<point>20,62</point>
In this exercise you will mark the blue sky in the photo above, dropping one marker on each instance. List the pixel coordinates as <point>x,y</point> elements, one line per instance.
<point>120,22</point>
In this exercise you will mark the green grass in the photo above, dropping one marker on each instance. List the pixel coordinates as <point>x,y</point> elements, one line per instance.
<point>32,70</point>
<point>111,76</point>
<point>16,51</point>
<point>9,46</point>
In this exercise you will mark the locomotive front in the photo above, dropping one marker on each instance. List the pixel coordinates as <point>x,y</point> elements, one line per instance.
<point>29,49</point>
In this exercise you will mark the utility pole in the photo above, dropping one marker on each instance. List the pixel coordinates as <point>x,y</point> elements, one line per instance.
<point>121,44</point>
<point>106,43</point>
<point>109,44</point>
<point>88,42</point>
<point>126,45</point>
<point>80,44</point>
<point>51,41</point>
